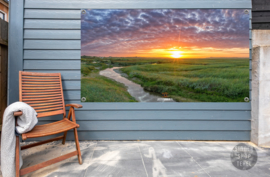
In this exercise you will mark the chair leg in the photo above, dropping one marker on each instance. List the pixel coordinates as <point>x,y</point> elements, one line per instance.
<point>77,145</point>
<point>64,138</point>
<point>17,155</point>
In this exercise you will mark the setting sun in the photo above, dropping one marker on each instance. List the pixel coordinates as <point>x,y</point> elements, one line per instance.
<point>176,54</point>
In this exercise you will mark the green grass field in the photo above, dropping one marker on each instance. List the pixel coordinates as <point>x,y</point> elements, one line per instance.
<point>185,80</point>
<point>96,88</point>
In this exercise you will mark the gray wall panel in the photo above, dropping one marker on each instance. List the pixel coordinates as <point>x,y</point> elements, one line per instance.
<point>72,95</point>
<point>163,135</point>
<point>52,64</point>
<point>52,24</point>
<point>66,75</point>
<point>53,54</point>
<point>15,51</point>
<point>161,125</point>
<point>53,14</point>
<point>159,135</point>
<point>158,115</point>
<point>71,85</point>
<point>52,34</point>
<point>167,106</point>
<point>73,4</point>
<point>52,44</point>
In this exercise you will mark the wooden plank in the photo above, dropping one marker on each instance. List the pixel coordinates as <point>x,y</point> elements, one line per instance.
<point>157,125</point>
<point>52,24</point>
<point>71,85</point>
<point>66,75</point>
<point>47,163</point>
<point>1,120</point>
<point>196,106</point>
<point>159,135</point>
<point>52,64</point>
<point>15,53</point>
<point>52,44</point>
<point>3,79</point>
<point>114,4</point>
<point>52,14</point>
<point>265,19</point>
<point>163,135</point>
<point>157,115</point>
<point>52,34</point>
<point>17,158</point>
<point>260,5</point>
<point>260,14</point>
<point>163,115</point>
<point>52,54</point>
<point>3,32</point>
<point>260,25</point>
<point>41,142</point>
<point>72,95</point>
<point>1,103</point>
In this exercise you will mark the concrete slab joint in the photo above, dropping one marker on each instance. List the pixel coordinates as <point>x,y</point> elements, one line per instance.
<point>260,104</point>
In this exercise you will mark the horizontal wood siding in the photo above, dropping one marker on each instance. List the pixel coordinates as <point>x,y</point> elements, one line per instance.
<point>52,40</point>
<point>129,4</point>
<point>52,64</point>
<point>52,34</point>
<point>260,14</point>
<point>159,135</point>
<point>165,125</point>
<point>53,44</point>
<point>160,115</point>
<point>52,54</point>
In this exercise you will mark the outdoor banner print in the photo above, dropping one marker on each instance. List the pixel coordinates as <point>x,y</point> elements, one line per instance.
<point>164,55</point>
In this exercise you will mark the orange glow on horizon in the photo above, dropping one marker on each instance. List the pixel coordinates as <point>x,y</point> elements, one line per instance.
<point>193,52</point>
<point>176,54</point>
<point>185,52</point>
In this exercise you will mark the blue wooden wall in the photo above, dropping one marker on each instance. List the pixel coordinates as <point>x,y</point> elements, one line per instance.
<point>48,39</point>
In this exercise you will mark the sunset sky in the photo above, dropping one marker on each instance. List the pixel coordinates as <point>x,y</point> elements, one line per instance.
<point>173,33</point>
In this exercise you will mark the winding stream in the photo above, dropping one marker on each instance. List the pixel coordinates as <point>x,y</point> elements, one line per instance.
<point>135,90</point>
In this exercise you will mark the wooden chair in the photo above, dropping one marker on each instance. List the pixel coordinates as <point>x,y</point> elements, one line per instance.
<point>44,92</point>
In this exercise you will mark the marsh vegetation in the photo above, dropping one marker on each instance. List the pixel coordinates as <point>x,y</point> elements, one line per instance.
<point>185,80</point>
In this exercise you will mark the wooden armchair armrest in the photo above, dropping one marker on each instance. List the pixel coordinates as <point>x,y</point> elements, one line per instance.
<point>18,113</point>
<point>74,105</point>
<point>71,113</point>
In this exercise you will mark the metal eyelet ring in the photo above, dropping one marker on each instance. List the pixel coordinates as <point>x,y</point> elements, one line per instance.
<point>83,11</point>
<point>246,99</point>
<point>83,99</point>
<point>246,11</point>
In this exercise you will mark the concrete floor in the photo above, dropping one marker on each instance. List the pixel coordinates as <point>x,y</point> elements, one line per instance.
<point>144,158</point>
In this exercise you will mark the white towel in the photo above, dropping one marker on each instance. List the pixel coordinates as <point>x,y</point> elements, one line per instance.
<point>26,122</point>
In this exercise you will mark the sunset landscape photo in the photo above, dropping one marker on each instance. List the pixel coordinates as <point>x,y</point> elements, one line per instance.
<point>165,55</point>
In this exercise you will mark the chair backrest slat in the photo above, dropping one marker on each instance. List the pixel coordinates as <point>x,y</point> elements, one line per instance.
<point>42,91</point>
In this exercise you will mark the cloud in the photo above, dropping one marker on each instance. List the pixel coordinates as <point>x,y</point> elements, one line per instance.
<point>123,32</point>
